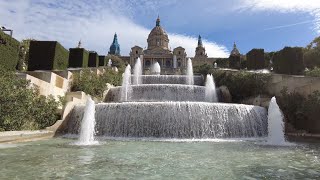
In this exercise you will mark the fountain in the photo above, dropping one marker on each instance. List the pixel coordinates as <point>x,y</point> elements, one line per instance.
<point>109,63</point>
<point>275,124</point>
<point>166,106</point>
<point>215,65</point>
<point>87,130</point>
<point>126,84</point>
<point>155,69</point>
<point>137,73</point>
<point>210,92</point>
<point>190,80</point>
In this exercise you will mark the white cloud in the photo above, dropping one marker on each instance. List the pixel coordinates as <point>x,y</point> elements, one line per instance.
<point>94,22</point>
<point>286,6</point>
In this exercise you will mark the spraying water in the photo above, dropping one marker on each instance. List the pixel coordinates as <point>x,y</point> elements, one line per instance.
<point>190,80</point>
<point>137,73</point>
<point>87,130</point>
<point>210,93</point>
<point>155,69</point>
<point>126,84</point>
<point>109,63</point>
<point>275,124</point>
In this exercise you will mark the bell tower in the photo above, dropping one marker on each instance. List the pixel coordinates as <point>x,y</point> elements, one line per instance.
<point>200,50</point>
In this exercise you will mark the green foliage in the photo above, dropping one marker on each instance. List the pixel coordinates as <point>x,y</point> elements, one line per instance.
<point>60,58</point>
<point>47,55</point>
<point>289,61</point>
<point>312,54</point>
<point>78,57</point>
<point>242,84</point>
<point>116,62</point>
<point>268,58</point>
<point>21,107</point>
<point>303,113</point>
<point>314,72</point>
<point>9,51</point>
<point>203,69</point>
<point>222,62</point>
<point>94,84</point>
<point>93,59</point>
<point>255,59</point>
<point>102,61</point>
<point>234,62</point>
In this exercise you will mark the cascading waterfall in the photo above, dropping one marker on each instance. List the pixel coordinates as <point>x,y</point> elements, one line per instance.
<point>126,85</point>
<point>275,124</point>
<point>87,129</point>
<point>155,68</point>
<point>176,120</point>
<point>190,80</point>
<point>210,93</point>
<point>137,73</point>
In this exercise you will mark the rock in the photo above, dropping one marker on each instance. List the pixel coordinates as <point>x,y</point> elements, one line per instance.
<point>224,94</point>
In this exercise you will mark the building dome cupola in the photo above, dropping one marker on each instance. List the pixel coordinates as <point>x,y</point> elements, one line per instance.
<point>235,51</point>
<point>158,38</point>
<point>115,46</point>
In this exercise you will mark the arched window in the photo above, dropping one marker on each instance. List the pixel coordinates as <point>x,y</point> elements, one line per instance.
<point>136,52</point>
<point>168,63</point>
<point>147,63</point>
<point>179,53</point>
<point>201,53</point>
<point>179,63</point>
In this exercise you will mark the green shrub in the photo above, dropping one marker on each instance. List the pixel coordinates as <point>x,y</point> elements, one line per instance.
<point>255,59</point>
<point>222,62</point>
<point>314,72</point>
<point>102,61</point>
<point>242,84</point>
<point>9,51</point>
<point>303,113</point>
<point>78,57</point>
<point>289,61</point>
<point>21,107</point>
<point>47,55</point>
<point>93,59</point>
<point>116,62</point>
<point>234,62</point>
<point>94,84</point>
<point>312,54</point>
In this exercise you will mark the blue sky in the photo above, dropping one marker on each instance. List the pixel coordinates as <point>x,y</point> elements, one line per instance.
<point>268,24</point>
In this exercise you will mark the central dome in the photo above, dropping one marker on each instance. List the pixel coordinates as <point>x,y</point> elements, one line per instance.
<point>158,37</point>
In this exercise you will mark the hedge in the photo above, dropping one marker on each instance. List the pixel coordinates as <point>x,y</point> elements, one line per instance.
<point>47,55</point>
<point>255,59</point>
<point>289,61</point>
<point>93,59</point>
<point>234,62</point>
<point>78,57</point>
<point>9,51</point>
<point>101,60</point>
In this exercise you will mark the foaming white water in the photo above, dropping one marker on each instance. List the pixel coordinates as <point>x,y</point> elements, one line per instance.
<point>190,80</point>
<point>170,79</point>
<point>160,92</point>
<point>183,120</point>
<point>137,72</point>
<point>109,63</point>
<point>155,68</point>
<point>275,124</point>
<point>126,84</point>
<point>87,129</point>
<point>210,93</point>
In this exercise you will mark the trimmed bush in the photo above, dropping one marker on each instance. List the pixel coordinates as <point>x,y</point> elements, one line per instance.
<point>222,62</point>
<point>289,61</point>
<point>101,60</point>
<point>255,59</point>
<point>93,59</point>
<point>9,51</point>
<point>234,62</point>
<point>78,58</point>
<point>47,55</point>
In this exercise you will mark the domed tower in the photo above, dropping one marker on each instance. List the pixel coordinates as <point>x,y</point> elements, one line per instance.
<point>235,51</point>
<point>115,46</point>
<point>200,50</point>
<point>158,38</point>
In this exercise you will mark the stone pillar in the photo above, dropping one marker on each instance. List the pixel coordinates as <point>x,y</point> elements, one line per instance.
<point>174,61</point>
